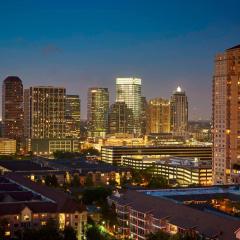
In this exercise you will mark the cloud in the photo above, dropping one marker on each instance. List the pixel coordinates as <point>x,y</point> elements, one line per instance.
<point>50,50</point>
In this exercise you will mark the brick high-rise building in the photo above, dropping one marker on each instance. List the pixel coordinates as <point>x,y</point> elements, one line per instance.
<point>12,108</point>
<point>226,115</point>
<point>158,116</point>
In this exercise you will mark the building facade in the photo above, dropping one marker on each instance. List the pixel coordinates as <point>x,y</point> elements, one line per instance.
<point>114,154</point>
<point>226,114</point>
<point>72,116</point>
<point>179,112</point>
<point>120,118</point>
<point>140,213</point>
<point>98,108</point>
<point>129,90</point>
<point>28,205</point>
<point>45,126</point>
<point>158,116</point>
<point>7,146</point>
<point>178,170</point>
<point>44,112</point>
<point>12,108</point>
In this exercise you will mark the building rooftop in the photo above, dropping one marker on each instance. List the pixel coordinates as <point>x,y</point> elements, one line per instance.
<point>234,47</point>
<point>85,166</point>
<point>18,192</point>
<point>22,165</point>
<point>181,215</point>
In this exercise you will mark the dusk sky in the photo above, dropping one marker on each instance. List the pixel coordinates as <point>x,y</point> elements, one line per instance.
<point>82,44</point>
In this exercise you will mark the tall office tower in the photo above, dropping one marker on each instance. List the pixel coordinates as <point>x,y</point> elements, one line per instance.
<point>179,112</point>
<point>72,116</point>
<point>226,115</point>
<point>12,108</point>
<point>143,117</point>
<point>98,108</point>
<point>120,118</point>
<point>158,116</point>
<point>44,112</point>
<point>128,90</point>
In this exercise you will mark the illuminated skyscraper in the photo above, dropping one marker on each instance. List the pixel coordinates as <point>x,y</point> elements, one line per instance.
<point>143,117</point>
<point>179,112</point>
<point>226,115</point>
<point>98,107</point>
<point>129,90</point>
<point>72,115</point>
<point>44,112</point>
<point>158,116</point>
<point>12,108</point>
<point>120,118</point>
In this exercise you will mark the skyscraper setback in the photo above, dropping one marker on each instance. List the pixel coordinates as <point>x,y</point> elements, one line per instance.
<point>12,108</point>
<point>179,112</point>
<point>98,107</point>
<point>129,90</point>
<point>226,115</point>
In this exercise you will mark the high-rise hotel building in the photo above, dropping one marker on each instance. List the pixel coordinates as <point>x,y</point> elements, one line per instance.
<point>226,115</point>
<point>44,112</point>
<point>98,107</point>
<point>12,108</point>
<point>45,121</point>
<point>179,112</point>
<point>158,116</point>
<point>129,90</point>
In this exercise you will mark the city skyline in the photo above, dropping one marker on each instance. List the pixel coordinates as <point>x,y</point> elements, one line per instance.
<point>82,45</point>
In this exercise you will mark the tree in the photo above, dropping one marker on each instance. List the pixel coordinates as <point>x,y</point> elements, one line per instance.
<point>89,180</point>
<point>69,233</point>
<point>75,181</point>
<point>90,151</point>
<point>109,214</point>
<point>93,233</point>
<point>158,182</point>
<point>160,235</point>
<point>96,194</point>
<point>3,225</point>
<point>51,180</point>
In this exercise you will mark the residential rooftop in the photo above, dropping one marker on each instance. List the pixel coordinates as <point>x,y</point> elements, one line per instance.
<point>17,192</point>
<point>160,206</point>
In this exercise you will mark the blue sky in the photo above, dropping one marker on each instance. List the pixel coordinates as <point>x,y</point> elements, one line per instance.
<point>81,44</point>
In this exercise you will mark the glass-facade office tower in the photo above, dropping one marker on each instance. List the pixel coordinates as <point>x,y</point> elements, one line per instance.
<point>129,90</point>
<point>44,112</point>
<point>12,108</point>
<point>158,116</point>
<point>120,118</point>
<point>179,112</point>
<point>226,115</point>
<point>98,108</point>
<point>72,116</point>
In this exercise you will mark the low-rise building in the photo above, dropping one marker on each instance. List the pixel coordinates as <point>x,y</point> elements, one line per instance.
<point>184,171</point>
<point>113,154</point>
<point>142,212</point>
<point>7,146</point>
<point>25,204</point>
<point>100,173</point>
